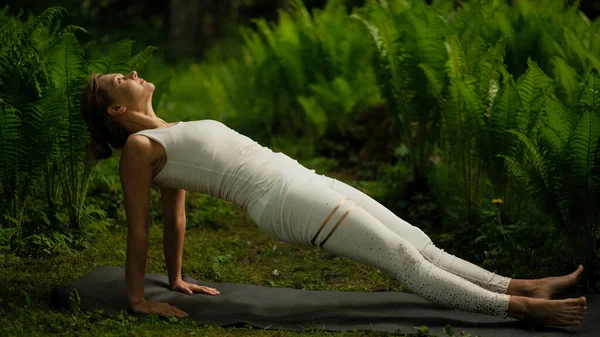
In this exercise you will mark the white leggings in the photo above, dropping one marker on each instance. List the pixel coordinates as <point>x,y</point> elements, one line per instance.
<point>309,209</point>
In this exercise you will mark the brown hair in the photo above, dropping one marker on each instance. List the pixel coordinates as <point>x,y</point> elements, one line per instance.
<point>94,104</point>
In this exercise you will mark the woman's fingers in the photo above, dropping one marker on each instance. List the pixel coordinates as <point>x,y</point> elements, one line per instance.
<point>190,288</point>
<point>168,310</point>
<point>180,313</point>
<point>203,289</point>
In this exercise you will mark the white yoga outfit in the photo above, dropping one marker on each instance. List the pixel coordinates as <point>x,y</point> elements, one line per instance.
<point>294,204</point>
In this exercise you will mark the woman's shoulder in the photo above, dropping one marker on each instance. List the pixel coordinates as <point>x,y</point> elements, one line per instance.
<point>139,147</point>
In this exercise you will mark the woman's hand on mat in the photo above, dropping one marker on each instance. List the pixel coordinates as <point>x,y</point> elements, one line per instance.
<point>159,308</point>
<point>190,288</point>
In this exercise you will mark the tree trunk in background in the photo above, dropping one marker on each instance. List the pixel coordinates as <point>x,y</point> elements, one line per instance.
<point>183,26</point>
<point>195,24</point>
<point>283,4</point>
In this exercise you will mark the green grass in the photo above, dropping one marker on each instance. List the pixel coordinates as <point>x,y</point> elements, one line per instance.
<point>231,250</point>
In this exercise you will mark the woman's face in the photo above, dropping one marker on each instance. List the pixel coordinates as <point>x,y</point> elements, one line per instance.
<point>128,90</point>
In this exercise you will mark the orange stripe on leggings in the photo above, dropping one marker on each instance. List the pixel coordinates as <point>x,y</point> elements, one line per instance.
<point>327,220</point>
<point>337,224</point>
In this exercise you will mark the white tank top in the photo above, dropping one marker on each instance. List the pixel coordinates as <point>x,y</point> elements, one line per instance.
<point>208,157</point>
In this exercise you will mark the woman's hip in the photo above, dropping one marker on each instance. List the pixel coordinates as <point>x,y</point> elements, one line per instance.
<point>294,211</point>
<point>262,210</point>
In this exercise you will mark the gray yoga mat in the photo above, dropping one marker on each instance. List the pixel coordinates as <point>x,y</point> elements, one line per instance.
<point>295,309</point>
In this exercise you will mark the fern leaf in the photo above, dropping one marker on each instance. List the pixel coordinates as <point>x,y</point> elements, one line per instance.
<point>453,116</point>
<point>487,69</point>
<point>535,184</point>
<point>578,55</point>
<point>507,114</point>
<point>456,65</point>
<point>47,16</point>
<point>589,96</point>
<point>65,62</point>
<point>557,124</point>
<point>533,86</point>
<point>396,84</point>
<point>118,60</point>
<point>582,146</point>
<point>423,40</point>
<point>315,112</point>
<point>9,145</point>
<point>532,83</point>
<point>301,14</point>
<point>142,58</point>
<point>435,84</point>
<point>568,79</point>
<point>535,157</point>
<point>595,175</point>
<point>531,179</point>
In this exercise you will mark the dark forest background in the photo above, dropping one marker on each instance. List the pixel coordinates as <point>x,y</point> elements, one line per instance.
<point>184,28</point>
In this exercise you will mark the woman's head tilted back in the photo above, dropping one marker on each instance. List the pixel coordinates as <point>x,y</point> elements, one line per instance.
<point>110,106</point>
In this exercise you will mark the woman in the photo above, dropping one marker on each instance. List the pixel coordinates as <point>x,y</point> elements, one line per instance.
<point>289,202</point>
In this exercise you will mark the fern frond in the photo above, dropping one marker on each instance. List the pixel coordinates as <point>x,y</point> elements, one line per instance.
<point>595,175</point>
<point>392,76</point>
<point>536,158</point>
<point>578,55</point>
<point>589,96</point>
<point>507,114</point>
<point>453,113</point>
<point>315,112</point>
<point>435,84</point>
<point>467,17</point>
<point>71,29</point>
<point>142,58</point>
<point>582,148</point>
<point>533,86</point>
<point>532,83</point>
<point>46,17</point>
<point>487,70</point>
<point>65,63</point>
<point>568,79</point>
<point>456,65</point>
<point>118,60</point>
<point>550,47</point>
<point>10,137</point>
<point>558,124</point>
<point>301,14</point>
<point>39,131</point>
<point>533,182</point>
<point>422,36</point>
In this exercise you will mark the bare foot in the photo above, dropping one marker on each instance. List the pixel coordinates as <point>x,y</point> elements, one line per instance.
<point>556,312</point>
<point>548,287</point>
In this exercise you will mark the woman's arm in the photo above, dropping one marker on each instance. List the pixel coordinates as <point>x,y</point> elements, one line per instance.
<point>173,205</point>
<point>135,169</point>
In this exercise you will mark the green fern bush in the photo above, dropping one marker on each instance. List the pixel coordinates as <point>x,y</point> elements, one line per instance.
<point>554,34</point>
<point>410,61</point>
<point>562,168</point>
<point>42,136</point>
<point>305,76</point>
<point>457,80</point>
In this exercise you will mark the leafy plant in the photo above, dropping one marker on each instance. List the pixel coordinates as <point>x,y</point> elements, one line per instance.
<point>42,136</point>
<point>562,170</point>
<point>303,78</point>
<point>410,57</point>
